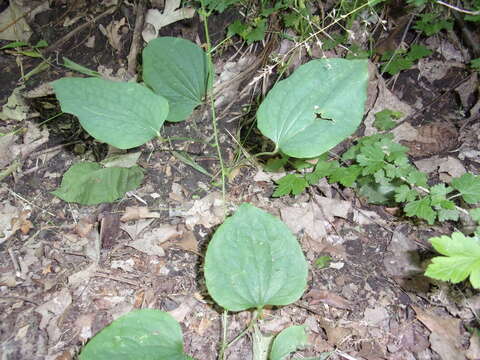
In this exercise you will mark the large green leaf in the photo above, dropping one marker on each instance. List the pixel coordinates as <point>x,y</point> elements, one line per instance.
<point>139,335</point>
<point>87,183</point>
<point>121,114</point>
<point>253,260</point>
<point>289,340</point>
<point>180,71</point>
<point>316,108</point>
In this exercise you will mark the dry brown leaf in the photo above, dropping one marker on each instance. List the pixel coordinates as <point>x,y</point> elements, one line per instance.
<point>208,211</point>
<point>7,156</point>
<point>184,309</point>
<point>84,325</point>
<point>205,323</point>
<point>112,32</point>
<point>429,139</point>
<point>375,316</point>
<point>383,99</point>
<point>54,307</point>
<point>333,207</point>
<point>307,217</point>
<point>445,337</point>
<point>402,259</point>
<point>473,352</point>
<point>84,226</point>
<point>316,296</point>
<point>155,20</point>
<point>151,242</point>
<point>450,167</point>
<point>187,242</point>
<point>138,212</point>
<point>22,223</point>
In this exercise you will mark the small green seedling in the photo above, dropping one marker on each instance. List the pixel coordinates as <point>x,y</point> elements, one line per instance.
<point>127,115</point>
<point>252,261</point>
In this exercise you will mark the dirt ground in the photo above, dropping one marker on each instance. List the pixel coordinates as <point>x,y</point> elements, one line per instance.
<point>67,271</point>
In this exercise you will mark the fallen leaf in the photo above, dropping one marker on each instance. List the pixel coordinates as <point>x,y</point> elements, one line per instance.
<point>112,32</point>
<point>150,242</point>
<point>138,212</point>
<point>19,31</point>
<point>84,326</point>
<point>333,207</point>
<point>208,211</point>
<point>54,307</point>
<point>155,20</point>
<point>375,316</point>
<point>184,309</point>
<point>305,217</point>
<point>275,324</point>
<point>466,91</point>
<point>428,139</point>
<point>22,223</point>
<point>187,242</point>
<point>134,230</point>
<point>316,296</point>
<point>82,276</point>
<point>6,155</point>
<point>383,99</point>
<point>473,352</point>
<point>109,229</point>
<point>402,259</point>
<point>445,337</point>
<point>450,168</point>
<point>205,323</point>
<point>8,213</point>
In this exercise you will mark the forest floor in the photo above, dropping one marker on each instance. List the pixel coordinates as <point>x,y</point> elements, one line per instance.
<point>67,271</point>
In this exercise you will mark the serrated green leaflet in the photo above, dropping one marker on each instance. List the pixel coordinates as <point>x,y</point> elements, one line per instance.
<point>289,340</point>
<point>121,114</point>
<point>180,71</point>
<point>421,208</point>
<point>469,186</point>
<point>253,260</point>
<point>461,259</point>
<point>140,335</point>
<point>316,108</point>
<point>87,183</point>
<point>290,183</point>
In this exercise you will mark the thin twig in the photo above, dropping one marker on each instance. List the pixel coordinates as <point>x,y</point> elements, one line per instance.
<point>456,8</point>
<point>72,33</point>
<point>29,202</point>
<point>136,39</point>
<point>116,278</point>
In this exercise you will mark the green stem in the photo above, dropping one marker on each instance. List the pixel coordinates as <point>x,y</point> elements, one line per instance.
<point>212,102</point>
<point>256,315</point>
<point>266,153</point>
<point>224,345</point>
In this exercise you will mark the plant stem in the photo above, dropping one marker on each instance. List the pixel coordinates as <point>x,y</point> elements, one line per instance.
<point>266,153</point>
<point>212,101</point>
<point>224,345</point>
<point>256,315</point>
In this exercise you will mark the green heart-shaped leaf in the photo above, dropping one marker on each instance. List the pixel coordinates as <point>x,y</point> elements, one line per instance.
<point>180,71</point>
<point>121,114</point>
<point>289,340</point>
<point>87,183</point>
<point>316,108</point>
<point>139,335</point>
<point>253,260</point>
